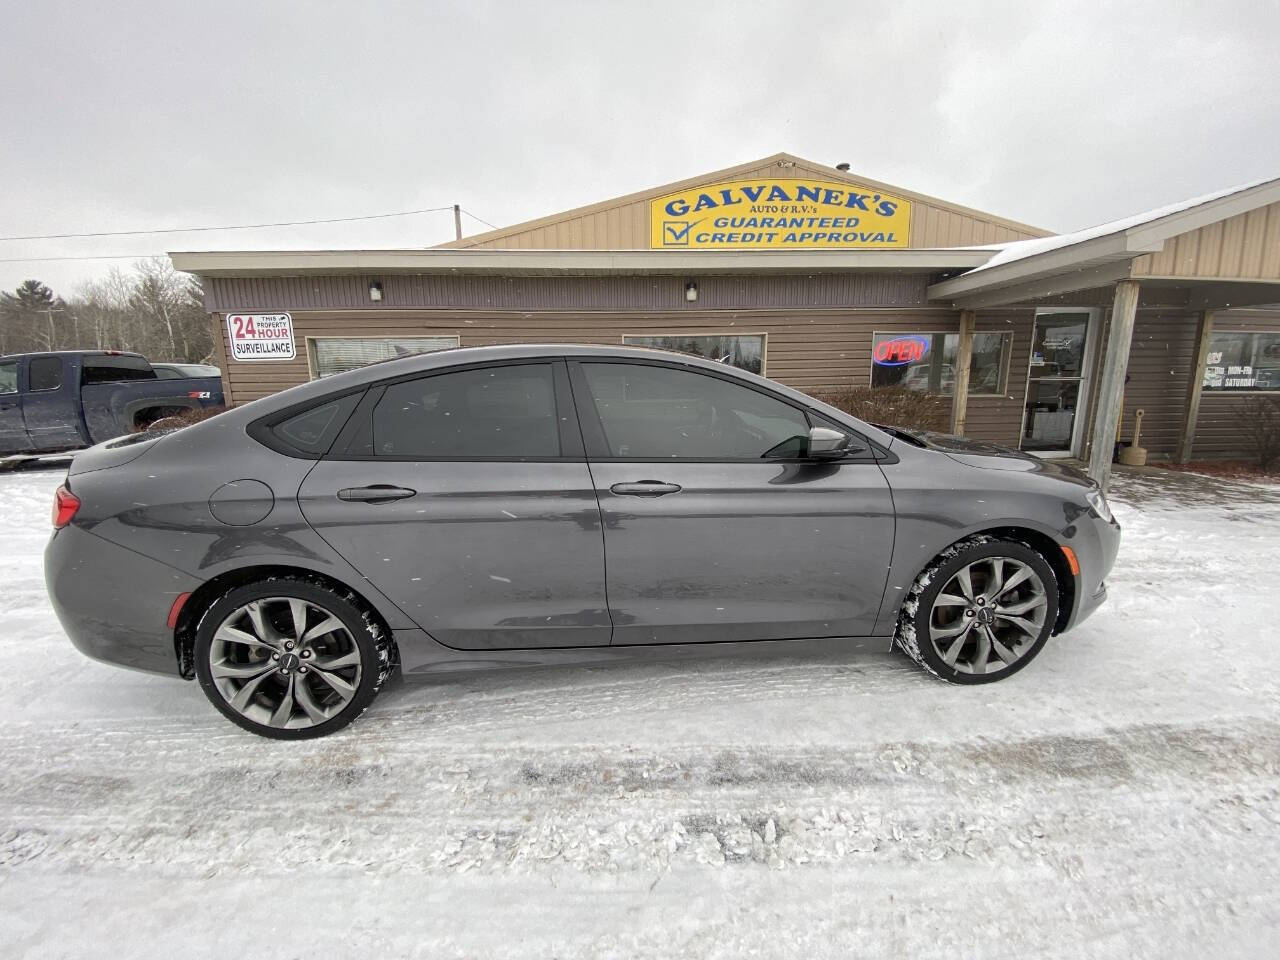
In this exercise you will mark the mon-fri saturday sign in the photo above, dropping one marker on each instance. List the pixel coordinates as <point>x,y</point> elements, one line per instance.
<point>261,336</point>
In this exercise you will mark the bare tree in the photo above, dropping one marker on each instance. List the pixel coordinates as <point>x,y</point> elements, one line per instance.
<point>151,309</point>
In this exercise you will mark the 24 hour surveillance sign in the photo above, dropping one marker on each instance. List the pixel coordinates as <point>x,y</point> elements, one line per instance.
<point>261,336</point>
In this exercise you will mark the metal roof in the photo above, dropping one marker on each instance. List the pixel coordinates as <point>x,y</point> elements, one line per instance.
<point>1096,255</point>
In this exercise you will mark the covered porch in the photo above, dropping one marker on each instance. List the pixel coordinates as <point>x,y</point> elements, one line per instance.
<point>1165,281</point>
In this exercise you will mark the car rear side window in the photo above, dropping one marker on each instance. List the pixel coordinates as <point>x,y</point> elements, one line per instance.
<point>505,412</point>
<point>309,432</point>
<point>652,412</point>
<point>113,369</point>
<point>9,377</point>
<point>45,373</point>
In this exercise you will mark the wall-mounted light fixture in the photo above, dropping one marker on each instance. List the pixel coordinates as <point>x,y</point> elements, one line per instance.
<point>691,291</point>
<point>375,291</point>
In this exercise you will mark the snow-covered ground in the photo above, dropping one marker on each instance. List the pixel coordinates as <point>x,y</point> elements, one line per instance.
<point>1118,798</point>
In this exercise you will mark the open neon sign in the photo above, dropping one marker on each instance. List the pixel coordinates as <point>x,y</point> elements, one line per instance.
<point>900,351</point>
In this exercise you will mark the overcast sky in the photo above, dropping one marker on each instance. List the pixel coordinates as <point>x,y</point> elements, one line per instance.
<point>125,116</point>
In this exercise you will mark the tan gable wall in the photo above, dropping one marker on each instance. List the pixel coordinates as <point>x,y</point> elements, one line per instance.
<point>1243,247</point>
<point>623,223</point>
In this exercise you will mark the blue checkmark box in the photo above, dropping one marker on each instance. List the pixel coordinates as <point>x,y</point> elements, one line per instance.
<point>675,233</point>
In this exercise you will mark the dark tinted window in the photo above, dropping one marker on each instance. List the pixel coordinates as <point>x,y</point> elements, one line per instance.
<point>9,377</point>
<point>168,373</point>
<point>502,412</point>
<point>105,369</point>
<point>312,431</point>
<point>45,373</point>
<point>660,413</point>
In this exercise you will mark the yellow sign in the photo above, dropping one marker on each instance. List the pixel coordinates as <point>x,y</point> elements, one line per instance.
<point>778,215</point>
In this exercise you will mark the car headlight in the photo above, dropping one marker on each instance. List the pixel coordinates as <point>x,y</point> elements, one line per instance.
<point>1097,499</point>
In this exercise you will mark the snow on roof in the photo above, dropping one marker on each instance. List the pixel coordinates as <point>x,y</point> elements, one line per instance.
<point>1021,249</point>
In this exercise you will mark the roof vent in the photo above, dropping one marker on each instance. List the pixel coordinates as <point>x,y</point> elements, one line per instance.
<point>842,167</point>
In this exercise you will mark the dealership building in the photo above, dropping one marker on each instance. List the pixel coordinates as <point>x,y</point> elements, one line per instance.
<point>820,278</point>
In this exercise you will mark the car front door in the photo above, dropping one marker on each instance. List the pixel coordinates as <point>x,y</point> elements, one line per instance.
<point>717,526</point>
<point>464,497</point>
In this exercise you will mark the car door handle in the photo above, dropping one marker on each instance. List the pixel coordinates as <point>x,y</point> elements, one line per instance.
<point>645,488</point>
<point>376,493</point>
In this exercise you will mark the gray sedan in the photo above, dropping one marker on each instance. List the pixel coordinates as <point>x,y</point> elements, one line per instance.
<point>531,505</point>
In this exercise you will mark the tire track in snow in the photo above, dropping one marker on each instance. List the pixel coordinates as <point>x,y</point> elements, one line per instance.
<point>1047,800</point>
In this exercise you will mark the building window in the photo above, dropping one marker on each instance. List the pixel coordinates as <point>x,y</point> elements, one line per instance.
<point>744,351</point>
<point>1242,361</point>
<point>330,355</point>
<point>926,362</point>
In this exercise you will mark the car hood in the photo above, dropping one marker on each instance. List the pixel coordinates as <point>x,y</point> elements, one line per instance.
<point>993,456</point>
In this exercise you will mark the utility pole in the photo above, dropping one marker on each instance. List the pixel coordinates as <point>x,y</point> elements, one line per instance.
<point>49,312</point>
<point>457,221</point>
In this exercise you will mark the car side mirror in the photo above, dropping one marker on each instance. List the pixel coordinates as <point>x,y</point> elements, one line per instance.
<point>828,444</point>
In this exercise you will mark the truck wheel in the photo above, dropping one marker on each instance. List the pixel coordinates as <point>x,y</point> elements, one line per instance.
<point>980,612</point>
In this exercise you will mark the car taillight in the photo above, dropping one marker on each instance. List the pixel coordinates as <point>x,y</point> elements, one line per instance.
<point>65,505</point>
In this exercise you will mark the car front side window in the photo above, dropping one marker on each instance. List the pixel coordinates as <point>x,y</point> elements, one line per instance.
<point>651,412</point>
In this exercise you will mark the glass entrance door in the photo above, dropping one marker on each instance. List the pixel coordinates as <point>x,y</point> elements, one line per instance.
<point>1057,381</point>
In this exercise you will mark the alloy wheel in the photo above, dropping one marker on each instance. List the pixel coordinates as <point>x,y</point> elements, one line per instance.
<point>988,616</point>
<point>285,662</point>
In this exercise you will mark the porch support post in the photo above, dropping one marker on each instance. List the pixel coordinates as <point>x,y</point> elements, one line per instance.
<point>1188,438</point>
<point>1123,311</point>
<point>964,358</point>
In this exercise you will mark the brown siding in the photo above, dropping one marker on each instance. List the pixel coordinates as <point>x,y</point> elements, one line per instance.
<point>999,419</point>
<point>1160,361</point>
<point>819,329</point>
<point>808,350</point>
<point>1243,247</point>
<point>220,358</point>
<point>623,223</point>
<point>563,293</point>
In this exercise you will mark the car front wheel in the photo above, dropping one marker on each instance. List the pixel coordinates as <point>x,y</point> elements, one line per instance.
<point>290,658</point>
<point>980,612</point>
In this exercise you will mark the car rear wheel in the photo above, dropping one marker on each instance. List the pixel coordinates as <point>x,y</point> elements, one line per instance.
<point>981,612</point>
<point>291,658</point>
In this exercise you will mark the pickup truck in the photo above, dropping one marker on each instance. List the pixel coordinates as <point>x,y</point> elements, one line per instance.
<point>76,398</point>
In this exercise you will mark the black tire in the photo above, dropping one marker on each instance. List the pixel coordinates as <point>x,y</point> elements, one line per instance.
<point>367,635</point>
<point>916,621</point>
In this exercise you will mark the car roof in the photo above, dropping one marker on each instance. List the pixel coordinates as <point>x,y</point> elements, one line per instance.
<point>72,353</point>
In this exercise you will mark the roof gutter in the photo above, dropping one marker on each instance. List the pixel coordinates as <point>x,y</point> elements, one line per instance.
<point>571,262</point>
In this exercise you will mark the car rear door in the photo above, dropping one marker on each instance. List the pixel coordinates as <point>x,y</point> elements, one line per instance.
<point>717,527</point>
<point>13,429</point>
<point>51,403</point>
<point>464,496</point>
